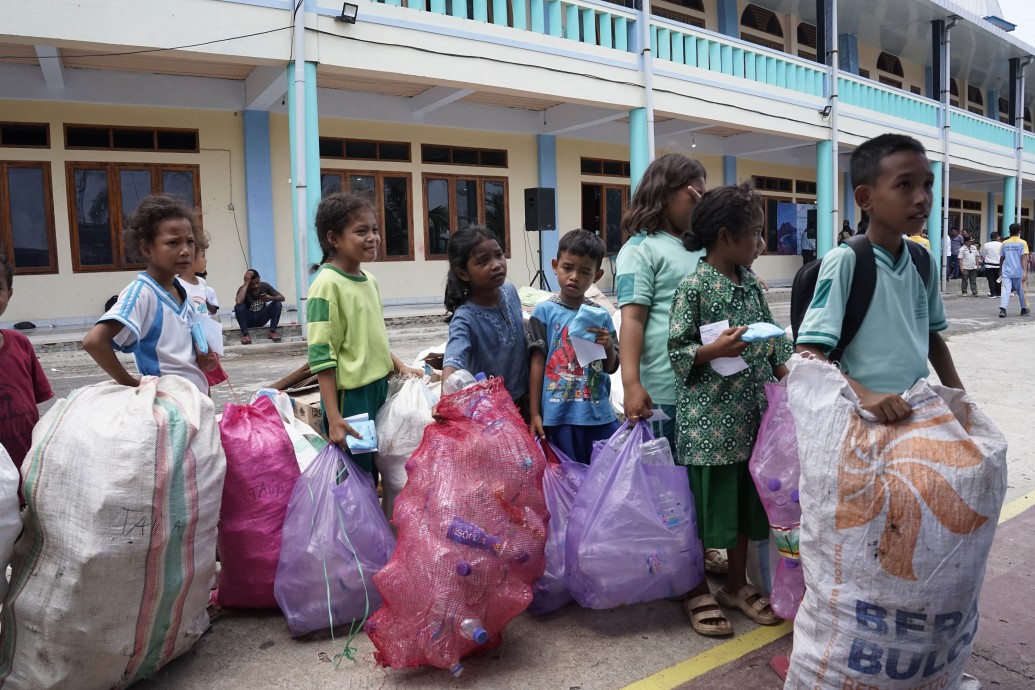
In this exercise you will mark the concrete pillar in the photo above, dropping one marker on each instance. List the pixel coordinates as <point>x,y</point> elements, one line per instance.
<point>306,235</point>
<point>1009,204</point>
<point>934,221</point>
<point>729,19</point>
<point>989,216</point>
<point>258,187</point>
<point>992,104</point>
<point>848,53</point>
<point>639,147</point>
<point>824,198</point>
<point>729,170</point>
<point>546,164</point>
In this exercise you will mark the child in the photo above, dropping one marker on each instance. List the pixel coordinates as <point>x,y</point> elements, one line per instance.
<point>718,414</point>
<point>348,341</point>
<point>570,404</point>
<point>202,297</point>
<point>900,330</point>
<point>23,385</point>
<point>153,315</point>
<point>486,326</point>
<point>1014,261</point>
<point>648,269</point>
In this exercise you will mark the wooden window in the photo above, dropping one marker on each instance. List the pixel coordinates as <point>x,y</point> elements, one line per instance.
<point>807,35</point>
<point>773,184</point>
<point>462,155</point>
<point>679,10</point>
<point>101,198</point>
<point>27,217</point>
<point>761,19</point>
<point>452,202</point>
<point>974,95</point>
<point>888,81</point>
<point>28,135</point>
<point>603,166</point>
<point>805,187</point>
<point>602,209</point>
<point>365,149</point>
<point>106,138</point>
<point>916,90</point>
<point>864,73</point>
<point>392,194</point>
<point>886,62</point>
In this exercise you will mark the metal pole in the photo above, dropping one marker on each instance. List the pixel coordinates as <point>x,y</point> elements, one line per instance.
<point>299,135</point>
<point>947,52</point>
<point>648,76</point>
<point>1018,122</point>
<point>834,133</point>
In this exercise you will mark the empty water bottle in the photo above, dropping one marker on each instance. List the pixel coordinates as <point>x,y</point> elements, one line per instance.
<point>472,629</point>
<point>458,380</point>
<point>657,452</point>
<point>670,508</point>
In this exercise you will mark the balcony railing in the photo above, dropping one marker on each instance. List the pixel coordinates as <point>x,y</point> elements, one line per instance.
<point>981,128</point>
<point>863,93</point>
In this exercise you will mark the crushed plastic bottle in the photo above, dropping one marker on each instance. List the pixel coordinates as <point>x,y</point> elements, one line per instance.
<point>458,380</point>
<point>657,452</point>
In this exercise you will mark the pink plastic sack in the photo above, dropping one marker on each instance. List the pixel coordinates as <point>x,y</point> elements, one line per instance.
<point>472,527</point>
<point>335,540</point>
<point>632,534</point>
<point>261,472</point>
<point>774,467</point>
<point>561,482</point>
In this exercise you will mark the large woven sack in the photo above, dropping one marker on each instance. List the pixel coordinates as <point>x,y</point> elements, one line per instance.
<point>111,576</point>
<point>897,523</point>
<point>261,471</point>
<point>400,427</point>
<point>10,513</point>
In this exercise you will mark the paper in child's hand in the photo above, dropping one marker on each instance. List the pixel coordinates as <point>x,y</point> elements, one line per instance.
<point>724,366</point>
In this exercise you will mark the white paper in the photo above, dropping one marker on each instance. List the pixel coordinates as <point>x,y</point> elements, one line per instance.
<point>724,366</point>
<point>213,334</point>
<point>656,415</point>
<point>587,351</point>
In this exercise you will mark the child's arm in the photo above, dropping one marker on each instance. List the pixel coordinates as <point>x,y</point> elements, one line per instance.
<point>941,360</point>
<point>337,427</point>
<point>403,370</point>
<point>604,338</point>
<point>536,370</point>
<point>637,402</point>
<point>888,408</point>
<point>97,344</point>
<point>728,344</point>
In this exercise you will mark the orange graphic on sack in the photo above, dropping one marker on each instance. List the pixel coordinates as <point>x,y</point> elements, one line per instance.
<point>885,468</point>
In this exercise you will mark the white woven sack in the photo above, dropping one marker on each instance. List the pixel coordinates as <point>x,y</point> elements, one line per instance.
<point>897,523</point>
<point>400,427</point>
<point>10,514</point>
<point>111,577</point>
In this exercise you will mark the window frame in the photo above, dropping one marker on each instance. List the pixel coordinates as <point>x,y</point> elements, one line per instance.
<point>44,125</point>
<point>111,138</point>
<point>451,180</point>
<point>377,145</point>
<point>479,149</point>
<point>7,239</point>
<point>379,175</point>
<point>626,191</point>
<point>115,210</point>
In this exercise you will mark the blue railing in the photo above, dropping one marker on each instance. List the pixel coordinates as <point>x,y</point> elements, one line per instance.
<point>1029,143</point>
<point>982,128</point>
<point>871,95</point>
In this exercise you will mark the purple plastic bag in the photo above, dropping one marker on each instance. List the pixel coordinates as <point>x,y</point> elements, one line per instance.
<point>561,482</point>
<point>776,471</point>
<point>632,533</point>
<point>335,538</point>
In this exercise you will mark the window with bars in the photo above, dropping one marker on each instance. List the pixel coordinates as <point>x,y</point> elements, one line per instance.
<point>807,35</point>
<point>27,217</point>
<point>954,93</point>
<point>101,198</point>
<point>886,62</point>
<point>452,202</point>
<point>392,195</point>
<point>762,20</point>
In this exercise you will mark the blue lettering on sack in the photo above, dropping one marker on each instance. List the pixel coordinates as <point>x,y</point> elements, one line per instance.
<point>463,532</point>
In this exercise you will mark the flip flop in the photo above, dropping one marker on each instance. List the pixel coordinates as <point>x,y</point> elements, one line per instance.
<point>751,603</point>
<point>715,562</point>
<point>780,664</point>
<point>274,336</point>
<point>246,340</point>
<point>706,618</point>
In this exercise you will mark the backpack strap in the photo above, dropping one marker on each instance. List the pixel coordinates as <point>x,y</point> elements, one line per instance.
<point>918,253</point>
<point>860,293</point>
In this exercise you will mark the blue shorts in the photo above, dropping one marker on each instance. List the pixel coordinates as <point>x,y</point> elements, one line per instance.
<point>576,441</point>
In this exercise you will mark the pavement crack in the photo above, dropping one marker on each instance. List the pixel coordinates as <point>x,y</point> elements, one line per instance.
<point>1003,666</point>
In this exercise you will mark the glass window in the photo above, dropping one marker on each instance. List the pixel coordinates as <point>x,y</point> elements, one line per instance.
<point>330,183</point>
<point>395,221</point>
<point>133,139</point>
<point>453,203</point>
<point>355,148</point>
<point>394,151</point>
<point>466,203</point>
<point>332,148</point>
<point>179,183</point>
<point>496,211</point>
<point>25,134</point>
<point>134,185</point>
<point>93,220</point>
<point>614,206</point>
<point>27,224</point>
<point>436,196</point>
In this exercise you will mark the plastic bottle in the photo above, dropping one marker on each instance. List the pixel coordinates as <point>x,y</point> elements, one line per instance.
<point>657,452</point>
<point>472,629</point>
<point>458,380</point>
<point>670,509</point>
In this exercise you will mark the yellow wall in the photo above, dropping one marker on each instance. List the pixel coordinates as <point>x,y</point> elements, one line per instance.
<point>913,72</point>
<point>69,295</point>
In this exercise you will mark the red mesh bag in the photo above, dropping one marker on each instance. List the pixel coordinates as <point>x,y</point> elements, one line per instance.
<point>472,529</point>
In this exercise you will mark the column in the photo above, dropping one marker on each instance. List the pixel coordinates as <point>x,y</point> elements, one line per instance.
<point>848,204</point>
<point>848,53</point>
<point>989,217</point>
<point>258,187</point>
<point>1009,204</point>
<point>306,237</point>
<point>729,170</point>
<point>639,153</point>
<point>546,163</point>
<point>729,19</point>
<point>824,198</point>
<point>934,221</point>
<point>992,105</point>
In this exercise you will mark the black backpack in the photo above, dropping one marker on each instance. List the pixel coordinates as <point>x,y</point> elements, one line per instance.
<point>864,282</point>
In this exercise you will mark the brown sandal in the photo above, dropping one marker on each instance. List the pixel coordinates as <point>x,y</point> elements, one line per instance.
<point>706,618</point>
<point>246,340</point>
<point>751,603</point>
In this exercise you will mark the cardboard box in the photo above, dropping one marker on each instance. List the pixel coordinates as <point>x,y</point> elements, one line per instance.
<point>306,404</point>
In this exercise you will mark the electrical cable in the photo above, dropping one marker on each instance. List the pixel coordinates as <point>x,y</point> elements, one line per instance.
<point>231,205</point>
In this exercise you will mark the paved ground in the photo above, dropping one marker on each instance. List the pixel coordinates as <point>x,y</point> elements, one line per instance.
<point>649,646</point>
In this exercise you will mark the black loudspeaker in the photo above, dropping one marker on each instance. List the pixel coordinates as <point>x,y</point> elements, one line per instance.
<point>540,209</point>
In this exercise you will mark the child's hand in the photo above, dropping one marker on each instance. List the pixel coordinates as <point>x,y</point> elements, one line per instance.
<point>729,344</point>
<point>338,429</point>
<point>208,361</point>
<point>888,408</point>
<point>404,370</point>
<point>535,427</point>
<point>603,338</point>
<point>637,403</point>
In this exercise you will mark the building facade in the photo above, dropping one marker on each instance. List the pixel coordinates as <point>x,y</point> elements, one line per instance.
<point>447,110</point>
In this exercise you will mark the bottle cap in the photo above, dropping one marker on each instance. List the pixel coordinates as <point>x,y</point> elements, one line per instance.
<point>463,569</point>
<point>480,376</point>
<point>480,635</point>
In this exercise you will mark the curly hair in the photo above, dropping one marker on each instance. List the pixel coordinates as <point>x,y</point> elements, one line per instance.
<point>662,178</point>
<point>335,212</point>
<point>459,250</point>
<point>731,207</point>
<point>148,217</point>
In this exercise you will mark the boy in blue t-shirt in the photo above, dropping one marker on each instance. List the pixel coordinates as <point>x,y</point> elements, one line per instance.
<point>900,331</point>
<point>570,404</point>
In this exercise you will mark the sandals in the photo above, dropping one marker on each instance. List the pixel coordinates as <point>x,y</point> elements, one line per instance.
<point>751,603</point>
<point>246,339</point>
<point>781,664</point>
<point>274,337</point>
<point>706,618</point>
<point>715,561</point>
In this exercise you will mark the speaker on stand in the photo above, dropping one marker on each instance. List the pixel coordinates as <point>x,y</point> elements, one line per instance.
<point>540,216</point>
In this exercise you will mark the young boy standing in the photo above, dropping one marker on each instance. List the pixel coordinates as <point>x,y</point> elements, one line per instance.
<point>1014,253</point>
<point>570,403</point>
<point>900,331</point>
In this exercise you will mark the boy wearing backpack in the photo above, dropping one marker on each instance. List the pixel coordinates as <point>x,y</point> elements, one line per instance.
<point>898,327</point>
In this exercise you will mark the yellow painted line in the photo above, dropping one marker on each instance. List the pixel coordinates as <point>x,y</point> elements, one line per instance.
<point>685,671</point>
<point>695,666</point>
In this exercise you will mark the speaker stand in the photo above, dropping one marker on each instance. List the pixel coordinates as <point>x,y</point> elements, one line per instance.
<point>539,278</point>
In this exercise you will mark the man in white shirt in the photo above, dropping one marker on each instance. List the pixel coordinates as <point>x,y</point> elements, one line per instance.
<point>968,264</point>
<point>989,259</point>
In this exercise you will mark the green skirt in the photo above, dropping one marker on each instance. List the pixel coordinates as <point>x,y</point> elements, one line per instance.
<point>369,399</point>
<point>727,505</point>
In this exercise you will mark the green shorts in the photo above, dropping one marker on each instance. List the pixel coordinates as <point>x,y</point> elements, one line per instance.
<point>727,505</point>
<point>369,399</point>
